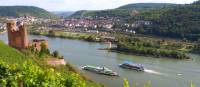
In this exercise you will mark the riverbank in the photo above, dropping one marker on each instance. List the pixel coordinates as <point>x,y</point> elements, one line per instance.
<point>159,48</point>
<point>142,46</point>
<point>152,53</point>
<point>70,35</point>
<point>2,31</point>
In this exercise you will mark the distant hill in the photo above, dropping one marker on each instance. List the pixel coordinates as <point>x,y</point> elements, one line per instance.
<point>102,13</point>
<point>79,13</point>
<point>123,11</point>
<point>63,13</point>
<point>148,6</point>
<point>17,11</point>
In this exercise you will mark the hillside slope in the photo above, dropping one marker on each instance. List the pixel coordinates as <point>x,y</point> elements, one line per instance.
<point>123,11</point>
<point>17,11</point>
<point>180,22</point>
<point>102,13</point>
<point>148,6</point>
<point>10,55</point>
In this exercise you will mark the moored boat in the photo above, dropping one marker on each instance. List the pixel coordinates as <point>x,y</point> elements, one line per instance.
<point>100,70</point>
<point>131,65</point>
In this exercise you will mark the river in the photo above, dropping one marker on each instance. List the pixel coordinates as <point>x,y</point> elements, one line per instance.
<point>161,72</point>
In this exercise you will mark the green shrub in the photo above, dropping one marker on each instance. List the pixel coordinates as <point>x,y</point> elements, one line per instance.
<point>55,54</point>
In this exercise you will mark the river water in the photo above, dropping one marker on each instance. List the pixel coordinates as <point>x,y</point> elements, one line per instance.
<point>160,72</point>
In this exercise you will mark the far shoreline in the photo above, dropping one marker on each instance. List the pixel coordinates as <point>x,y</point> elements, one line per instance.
<point>2,32</point>
<point>112,49</point>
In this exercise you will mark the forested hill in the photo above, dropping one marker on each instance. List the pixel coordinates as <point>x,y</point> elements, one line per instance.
<point>180,22</point>
<point>148,6</point>
<point>123,11</point>
<point>102,13</point>
<point>17,11</point>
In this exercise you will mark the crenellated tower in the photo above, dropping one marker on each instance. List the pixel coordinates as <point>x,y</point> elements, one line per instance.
<point>17,35</point>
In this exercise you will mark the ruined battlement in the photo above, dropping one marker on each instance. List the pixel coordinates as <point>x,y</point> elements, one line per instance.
<point>37,44</point>
<point>17,35</point>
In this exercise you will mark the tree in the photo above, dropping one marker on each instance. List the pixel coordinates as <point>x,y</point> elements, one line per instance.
<point>43,50</point>
<point>56,53</point>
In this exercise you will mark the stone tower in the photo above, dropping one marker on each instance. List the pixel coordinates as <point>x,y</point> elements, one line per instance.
<point>17,35</point>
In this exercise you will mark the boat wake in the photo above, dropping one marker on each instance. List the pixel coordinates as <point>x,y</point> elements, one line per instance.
<point>154,72</point>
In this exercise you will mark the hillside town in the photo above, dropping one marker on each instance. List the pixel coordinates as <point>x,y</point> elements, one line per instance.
<point>86,24</point>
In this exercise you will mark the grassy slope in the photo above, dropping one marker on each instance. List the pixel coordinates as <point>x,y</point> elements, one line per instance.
<point>10,55</point>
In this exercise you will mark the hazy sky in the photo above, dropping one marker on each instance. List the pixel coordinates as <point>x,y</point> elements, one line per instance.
<point>74,5</point>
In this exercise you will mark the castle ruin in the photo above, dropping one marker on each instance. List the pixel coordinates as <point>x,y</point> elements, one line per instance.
<point>18,38</point>
<point>17,35</point>
<point>37,44</point>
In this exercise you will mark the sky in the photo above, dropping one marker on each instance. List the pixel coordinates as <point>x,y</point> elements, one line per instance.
<point>75,5</point>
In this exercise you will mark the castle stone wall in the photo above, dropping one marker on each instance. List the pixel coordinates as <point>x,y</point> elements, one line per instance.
<point>17,36</point>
